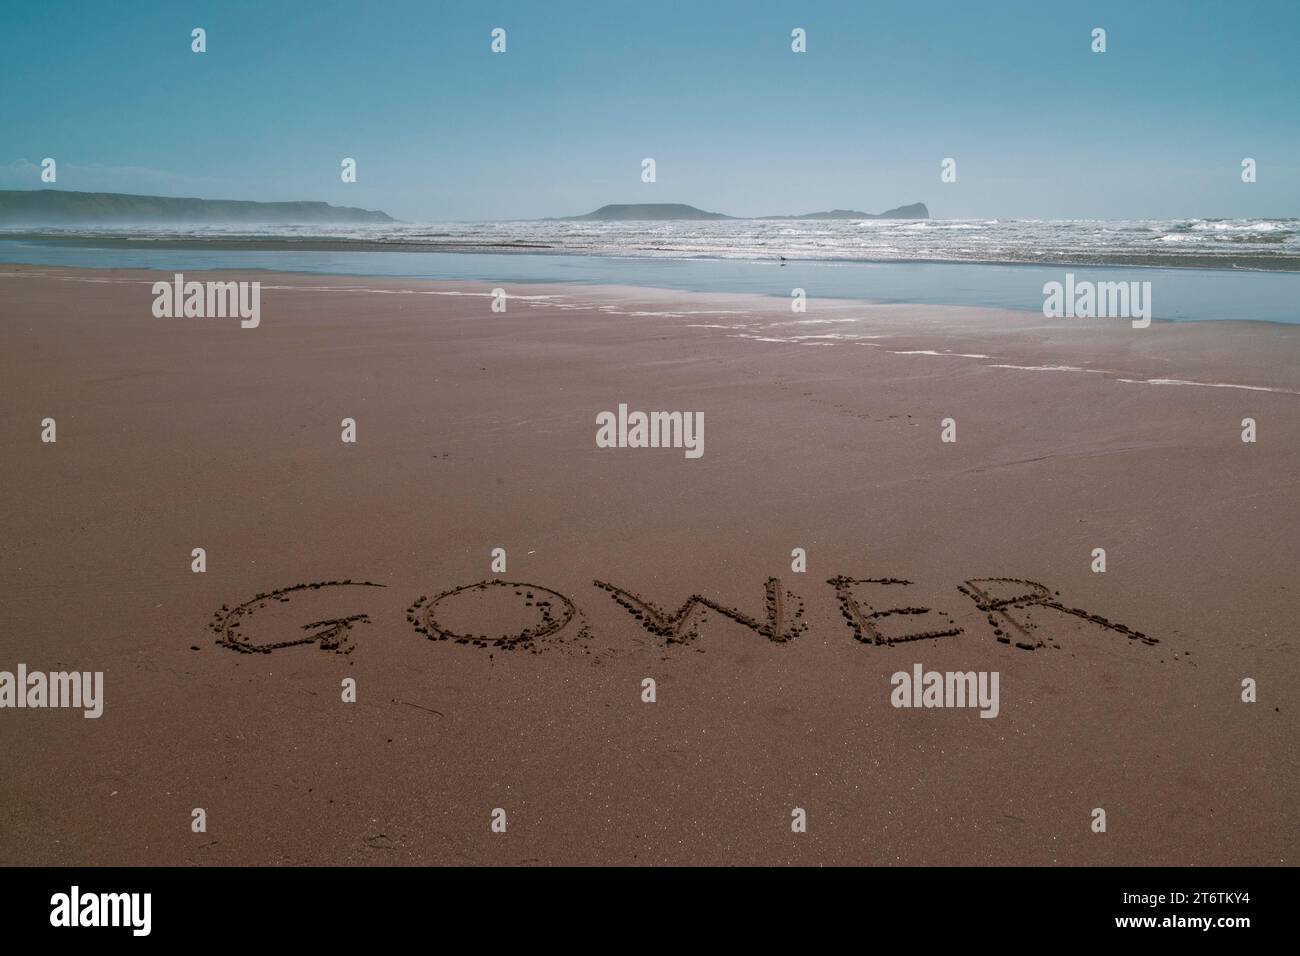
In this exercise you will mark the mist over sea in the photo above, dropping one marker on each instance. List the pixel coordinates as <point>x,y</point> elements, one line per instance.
<point>1265,244</point>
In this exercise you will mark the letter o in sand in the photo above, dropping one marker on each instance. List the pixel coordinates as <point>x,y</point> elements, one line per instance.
<point>530,613</point>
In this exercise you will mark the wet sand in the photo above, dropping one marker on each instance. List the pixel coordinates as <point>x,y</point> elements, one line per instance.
<point>475,430</point>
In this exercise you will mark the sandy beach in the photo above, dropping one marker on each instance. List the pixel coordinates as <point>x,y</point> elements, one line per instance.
<point>476,430</point>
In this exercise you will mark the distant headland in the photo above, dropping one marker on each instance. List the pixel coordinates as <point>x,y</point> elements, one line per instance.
<point>65,207</point>
<point>675,210</point>
<point>68,207</point>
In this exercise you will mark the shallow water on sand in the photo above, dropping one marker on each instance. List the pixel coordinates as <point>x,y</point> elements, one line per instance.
<point>1177,294</point>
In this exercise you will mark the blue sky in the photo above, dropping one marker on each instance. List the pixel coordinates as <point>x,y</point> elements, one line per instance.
<point>442,128</point>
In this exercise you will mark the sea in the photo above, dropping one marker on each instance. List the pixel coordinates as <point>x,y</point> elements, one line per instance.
<point>1199,269</point>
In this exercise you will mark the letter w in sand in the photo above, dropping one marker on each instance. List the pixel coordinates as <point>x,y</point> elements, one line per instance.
<point>784,614</point>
